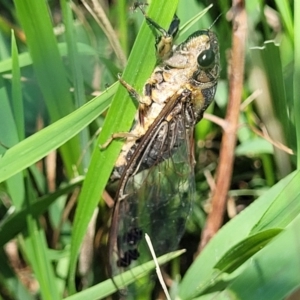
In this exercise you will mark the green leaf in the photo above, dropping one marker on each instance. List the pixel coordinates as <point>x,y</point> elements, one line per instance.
<point>48,67</point>
<point>36,251</point>
<point>273,273</point>
<point>185,27</point>
<point>285,13</point>
<point>284,209</point>
<point>9,137</point>
<point>296,78</point>
<point>107,287</point>
<point>202,275</point>
<point>32,149</point>
<point>16,222</point>
<point>270,53</point>
<point>119,119</point>
<point>17,99</point>
<point>25,58</point>
<point>241,252</point>
<point>77,77</point>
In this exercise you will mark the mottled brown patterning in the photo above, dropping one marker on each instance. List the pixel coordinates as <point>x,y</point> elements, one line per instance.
<point>155,166</point>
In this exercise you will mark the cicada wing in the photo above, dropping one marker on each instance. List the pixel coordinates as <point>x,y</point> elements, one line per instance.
<point>158,202</point>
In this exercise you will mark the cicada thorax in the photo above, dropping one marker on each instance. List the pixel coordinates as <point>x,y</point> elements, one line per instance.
<point>155,167</point>
<point>161,139</point>
<point>187,82</point>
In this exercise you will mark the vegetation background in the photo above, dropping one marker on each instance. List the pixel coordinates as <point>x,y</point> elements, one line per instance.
<point>58,88</point>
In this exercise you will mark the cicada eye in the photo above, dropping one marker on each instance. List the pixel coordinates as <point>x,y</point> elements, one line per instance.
<point>206,58</point>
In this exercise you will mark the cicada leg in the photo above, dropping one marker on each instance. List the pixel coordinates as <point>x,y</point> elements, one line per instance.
<point>117,135</point>
<point>164,42</point>
<point>144,101</point>
<point>131,90</point>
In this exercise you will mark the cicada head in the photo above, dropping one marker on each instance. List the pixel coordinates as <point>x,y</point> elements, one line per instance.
<point>199,56</point>
<point>195,65</point>
<point>207,57</point>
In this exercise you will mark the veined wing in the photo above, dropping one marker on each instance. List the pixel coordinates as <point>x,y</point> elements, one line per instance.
<point>157,200</point>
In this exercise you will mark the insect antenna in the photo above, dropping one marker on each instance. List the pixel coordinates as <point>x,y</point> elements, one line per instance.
<point>214,22</point>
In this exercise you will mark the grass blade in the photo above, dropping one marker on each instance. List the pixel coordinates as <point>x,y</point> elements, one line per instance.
<point>119,119</point>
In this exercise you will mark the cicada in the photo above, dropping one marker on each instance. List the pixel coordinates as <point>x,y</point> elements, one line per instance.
<point>155,167</point>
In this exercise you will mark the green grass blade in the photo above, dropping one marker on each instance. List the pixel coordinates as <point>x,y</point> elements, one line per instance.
<point>121,6</point>
<point>16,222</point>
<point>17,100</point>
<point>36,251</point>
<point>270,53</point>
<point>239,228</point>
<point>107,287</point>
<point>241,252</point>
<point>49,70</point>
<point>15,184</point>
<point>186,26</point>
<point>284,208</point>
<point>25,58</point>
<point>77,77</point>
<point>43,142</point>
<point>296,79</point>
<point>8,132</point>
<point>140,65</point>
<point>284,9</point>
<point>274,271</point>
<point>9,137</point>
